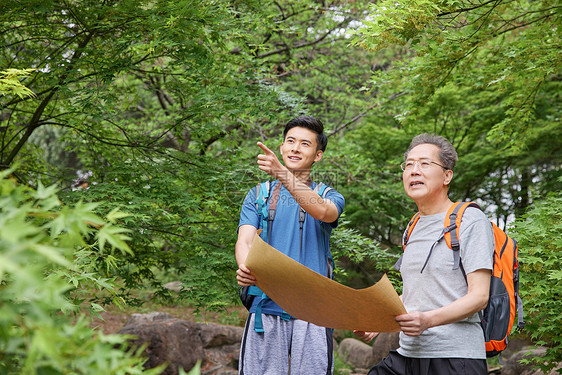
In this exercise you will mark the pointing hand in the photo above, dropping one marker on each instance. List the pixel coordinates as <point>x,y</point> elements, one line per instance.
<point>268,162</point>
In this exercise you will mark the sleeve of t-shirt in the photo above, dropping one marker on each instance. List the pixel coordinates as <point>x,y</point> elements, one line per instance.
<point>249,212</point>
<point>339,201</point>
<point>476,239</point>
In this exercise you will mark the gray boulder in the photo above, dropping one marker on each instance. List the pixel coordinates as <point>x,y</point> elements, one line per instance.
<point>513,365</point>
<point>384,343</point>
<point>356,353</point>
<point>516,344</point>
<point>175,286</point>
<point>181,343</point>
<point>169,340</point>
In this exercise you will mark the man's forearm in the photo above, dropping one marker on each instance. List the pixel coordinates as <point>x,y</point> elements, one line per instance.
<point>246,235</point>
<point>458,310</point>
<point>474,301</point>
<point>241,252</point>
<point>416,322</point>
<point>316,206</point>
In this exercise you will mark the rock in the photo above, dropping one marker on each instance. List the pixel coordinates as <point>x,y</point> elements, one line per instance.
<point>214,335</point>
<point>556,370</point>
<point>222,347</point>
<point>169,340</point>
<point>515,345</point>
<point>181,343</point>
<point>512,365</point>
<point>340,334</point>
<point>384,343</point>
<point>356,353</point>
<point>223,372</point>
<point>175,286</point>
<point>226,356</point>
<point>139,319</point>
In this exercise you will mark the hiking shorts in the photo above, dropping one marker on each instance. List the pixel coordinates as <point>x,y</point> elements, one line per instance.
<point>397,364</point>
<point>303,347</point>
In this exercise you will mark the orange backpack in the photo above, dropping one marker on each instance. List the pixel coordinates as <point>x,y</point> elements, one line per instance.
<point>504,302</point>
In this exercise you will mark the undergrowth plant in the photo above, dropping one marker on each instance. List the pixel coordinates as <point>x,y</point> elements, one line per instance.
<point>540,255</point>
<point>45,252</point>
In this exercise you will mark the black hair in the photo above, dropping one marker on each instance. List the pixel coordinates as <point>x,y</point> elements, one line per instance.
<point>311,123</point>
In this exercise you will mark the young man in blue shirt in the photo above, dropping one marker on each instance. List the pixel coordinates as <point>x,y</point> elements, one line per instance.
<point>274,342</point>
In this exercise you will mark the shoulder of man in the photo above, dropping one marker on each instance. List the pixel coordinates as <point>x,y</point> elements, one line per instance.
<point>335,197</point>
<point>251,195</point>
<point>326,189</point>
<point>333,191</point>
<point>475,217</point>
<point>268,184</point>
<point>472,214</point>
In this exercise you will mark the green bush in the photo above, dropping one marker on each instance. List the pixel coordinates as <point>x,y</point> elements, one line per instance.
<point>540,254</point>
<point>46,252</point>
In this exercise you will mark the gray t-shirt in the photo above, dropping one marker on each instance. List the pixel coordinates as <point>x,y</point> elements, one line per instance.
<point>439,285</point>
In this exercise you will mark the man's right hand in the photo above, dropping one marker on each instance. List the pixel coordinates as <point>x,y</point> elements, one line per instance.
<point>366,336</point>
<point>244,276</point>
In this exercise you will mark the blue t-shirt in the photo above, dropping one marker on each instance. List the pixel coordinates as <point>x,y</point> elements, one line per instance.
<point>284,234</point>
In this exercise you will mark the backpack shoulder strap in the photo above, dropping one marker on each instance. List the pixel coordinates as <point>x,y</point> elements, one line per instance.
<point>407,233</point>
<point>409,229</point>
<point>452,224</point>
<point>262,195</point>
<point>322,189</point>
<point>273,203</point>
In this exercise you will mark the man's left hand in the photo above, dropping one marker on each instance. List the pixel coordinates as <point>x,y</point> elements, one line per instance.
<point>414,323</point>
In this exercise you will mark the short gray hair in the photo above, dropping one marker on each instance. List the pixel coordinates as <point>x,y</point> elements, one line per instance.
<point>447,154</point>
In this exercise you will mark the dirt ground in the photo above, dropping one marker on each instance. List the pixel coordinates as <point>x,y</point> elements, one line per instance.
<point>114,319</point>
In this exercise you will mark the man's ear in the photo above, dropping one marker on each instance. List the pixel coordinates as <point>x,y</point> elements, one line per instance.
<point>318,156</point>
<point>448,176</point>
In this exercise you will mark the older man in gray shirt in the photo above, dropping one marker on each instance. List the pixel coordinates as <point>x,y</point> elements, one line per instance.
<point>441,333</point>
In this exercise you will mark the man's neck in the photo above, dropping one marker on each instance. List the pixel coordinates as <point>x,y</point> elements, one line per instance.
<point>431,207</point>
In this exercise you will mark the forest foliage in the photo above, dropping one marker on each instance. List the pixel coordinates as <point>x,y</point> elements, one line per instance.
<point>158,105</point>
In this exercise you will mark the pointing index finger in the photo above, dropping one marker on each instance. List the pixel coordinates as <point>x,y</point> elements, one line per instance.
<point>264,148</point>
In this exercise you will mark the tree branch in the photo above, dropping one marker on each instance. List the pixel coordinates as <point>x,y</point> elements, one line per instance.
<point>464,10</point>
<point>118,143</point>
<point>218,136</point>
<point>497,33</point>
<point>34,122</point>
<point>362,114</point>
<point>304,44</point>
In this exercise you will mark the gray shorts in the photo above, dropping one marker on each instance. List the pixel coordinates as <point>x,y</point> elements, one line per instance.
<point>303,347</point>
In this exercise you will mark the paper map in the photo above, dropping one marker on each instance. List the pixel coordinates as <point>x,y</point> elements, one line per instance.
<point>309,296</point>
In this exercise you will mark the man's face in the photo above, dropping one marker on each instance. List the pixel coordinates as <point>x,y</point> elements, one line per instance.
<point>425,184</point>
<point>299,149</point>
